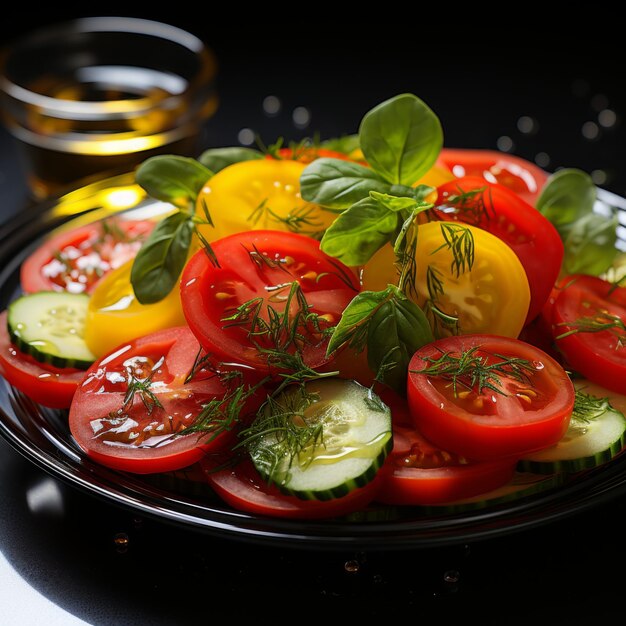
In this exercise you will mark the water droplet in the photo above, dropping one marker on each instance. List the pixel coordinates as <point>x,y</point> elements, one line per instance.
<point>271,105</point>
<point>451,576</point>
<point>590,130</point>
<point>301,117</point>
<point>246,137</point>
<point>538,365</point>
<point>121,542</point>
<point>542,159</point>
<point>607,118</point>
<point>505,143</point>
<point>527,125</point>
<point>458,171</point>
<point>352,566</point>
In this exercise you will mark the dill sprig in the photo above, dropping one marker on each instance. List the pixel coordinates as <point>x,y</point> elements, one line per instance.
<point>602,321</point>
<point>206,221</point>
<point>470,205</point>
<point>113,229</point>
<point>588,407</point>
<point>141,386</point>
<point>201,361</point>
<point>290,329</point>
<point>223,414</point>
<point>283,418</point>
<point>301,219</point>
<point>460,241</point>
<point>441,321</point>
<point>475,372</point>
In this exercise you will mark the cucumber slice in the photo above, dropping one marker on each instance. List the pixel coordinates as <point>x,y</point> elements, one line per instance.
<point>321,440</point>
<point>50,326</point>
<point>597,432</point>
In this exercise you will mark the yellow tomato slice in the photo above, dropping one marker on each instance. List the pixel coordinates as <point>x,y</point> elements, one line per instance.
<point>492,297</point>
<point>261,194</point>
<point>435,176</point>
<point>380,270</point>
<point>114,316</point>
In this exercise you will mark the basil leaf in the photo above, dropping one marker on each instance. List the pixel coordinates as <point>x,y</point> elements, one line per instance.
<point>345,144</point>
<point>567,196</point>
<point>397,329</point>
<point>173,179</point>
<point>423,191</point>
<point>359,232</point>
<point>355,317</point>
<point>401,139</point>
<point>394,203</point>
<point>590,245</point>
<point>216,159</point>
<point>161,259</point>
<point>337,184</point>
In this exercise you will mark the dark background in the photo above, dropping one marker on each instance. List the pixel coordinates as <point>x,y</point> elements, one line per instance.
<point>480,79</point>
<point>479,72</point>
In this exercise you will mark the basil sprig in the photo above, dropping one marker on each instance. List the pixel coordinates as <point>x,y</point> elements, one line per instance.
<point>346,144</point>
<point>589,239</point>
<point>400,139</point>
<point>160,260</point>
<point>390,325</point>
<point>216,159</point>
<point>361,230</point>
<point>173,179</point>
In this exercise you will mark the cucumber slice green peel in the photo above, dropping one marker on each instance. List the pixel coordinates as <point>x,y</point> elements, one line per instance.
<point>50,326</point>
<point>596,434</point>
<point>322,439</point>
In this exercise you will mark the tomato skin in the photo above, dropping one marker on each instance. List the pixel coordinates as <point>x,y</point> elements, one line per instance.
<point>527,232</point>
<point>243,488</point>
<point>47,385</point>
<point>599,356</point>
<point>443,483</point>
<point>100,399</point>
<point>210,294</point>
<point>505,424</point>
<point>443,478</point>
<point>519,175</point>
<point>32,276</point>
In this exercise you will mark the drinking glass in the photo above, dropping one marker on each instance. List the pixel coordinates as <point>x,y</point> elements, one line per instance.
<point>101,94</point>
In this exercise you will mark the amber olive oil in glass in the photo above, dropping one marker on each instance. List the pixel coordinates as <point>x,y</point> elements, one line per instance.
<point>99,95</point>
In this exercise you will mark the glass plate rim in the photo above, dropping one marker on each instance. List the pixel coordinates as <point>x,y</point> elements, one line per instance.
<point>592,489</point>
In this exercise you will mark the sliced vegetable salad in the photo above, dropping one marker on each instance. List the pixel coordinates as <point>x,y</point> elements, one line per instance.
<point>323,326</point>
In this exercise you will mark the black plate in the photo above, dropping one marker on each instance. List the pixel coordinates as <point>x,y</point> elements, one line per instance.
<point>42,436</point>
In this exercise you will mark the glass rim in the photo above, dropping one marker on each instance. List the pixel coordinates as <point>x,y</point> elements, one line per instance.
<point>72,109</point>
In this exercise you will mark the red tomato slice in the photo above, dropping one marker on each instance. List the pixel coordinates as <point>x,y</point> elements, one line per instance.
<point>47,385</point>
<point>519,175</point>
<point>419,473</point>
<point>504,214</point>
<point>519,408</point>
<point>308,154</point>
<point>243,488</point>
<point>143,432</point>
<point>588,320</point>
<point>76,260</point>
<point>237,310</point>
